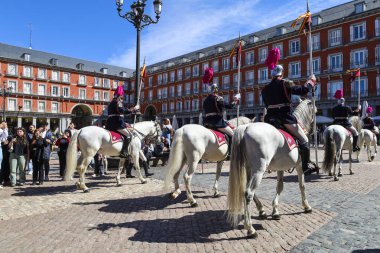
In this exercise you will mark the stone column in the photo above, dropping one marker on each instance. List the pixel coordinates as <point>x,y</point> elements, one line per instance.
<point>34,121</point>
<point>48,121</point>
<point>19,121</point>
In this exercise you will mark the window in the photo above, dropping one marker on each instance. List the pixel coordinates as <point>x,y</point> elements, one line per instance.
<point>12,69</point>
<point>360,7</point>
<point>187,72</point>
<point>150,81</point>
<point>66,77</point>
<point>106,96</point>
<point>106,83</point>
<point>172,76</point>
<point>164,107</point>
<point>54,107</point>
<point>235,78</point>
<point>11,104</point>
<point>226,98</point>
<point>165,78</point>
<point>335,37</point>
<point>315,42</point>
<point>195,105</point>
<point>249,99</point>
<point>96,81</point>
<point>104,70</point>
<point>205,88</point>
<point>179,106</point>
<point>294,46</point>
<point>27,88</point>
<point>172,91</point>
<point>179,75</point>
<point>215,65</point>
<point>335,62</point>
<point>82,79</point>
<point>333,87</point>
<point>377,55</point>
<point>97,95</point>
<point>263,53</point>
<point>159,92</point>
<point>358,31</point>
<point>41,73</point>
<point>27,71</point>
<point>226,64</point>
<point>196,70</point>
<point>316,66</point>
<point>281,48</point>
<point>295,69</point>
<point>234,63</point>
<point>363,87</point>
<point>171,106</point>
<point>196,87</point>
<point>226,82</point>
<point>250,58</point>
<point>205,66</point>
<point>187,88</point>
<point>359,58</point>
<point>55,91</point>
<point>131,98</point>
<point>316,20</point>
<point>55,75</point>
<point>41,89</point>
<point>249,78</point>
<point>377,27</point>
<point>66,92</point>
<point>13,86</point>
<point>164,92</point>
<point>82,94</point>
<point>41,106</point>
<point>150,95</point>
<point>263,75</point>
<point>179,90</point>
<point>27,106</point>
<point>187,106</point>
<point>378,85</point>
<point>115,84</point>
<point>26,57</point>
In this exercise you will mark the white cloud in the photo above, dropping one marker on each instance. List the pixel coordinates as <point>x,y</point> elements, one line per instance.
<point>190,25</point>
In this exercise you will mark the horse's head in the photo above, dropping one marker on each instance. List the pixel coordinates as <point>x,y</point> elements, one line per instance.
<point>157,131</point>
<point>305,114</point>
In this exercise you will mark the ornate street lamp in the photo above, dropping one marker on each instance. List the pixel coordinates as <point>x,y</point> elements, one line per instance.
<point>5,92</point>
<point>139,20</point>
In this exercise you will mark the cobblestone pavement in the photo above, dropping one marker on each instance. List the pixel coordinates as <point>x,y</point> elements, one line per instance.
<point>138,217</point>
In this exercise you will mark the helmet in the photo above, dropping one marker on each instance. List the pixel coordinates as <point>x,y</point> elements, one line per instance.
<point>214,87</point>
<point>277,71</point>
<point>341,101</point>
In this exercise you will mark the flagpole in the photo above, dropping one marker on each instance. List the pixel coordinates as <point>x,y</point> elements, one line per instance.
<point>138,97</point>
<point>313,92</point>
<point>238,80</point>
<point>359,88</point>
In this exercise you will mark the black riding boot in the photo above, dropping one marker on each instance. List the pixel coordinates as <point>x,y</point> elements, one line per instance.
<point>305,157</point>
<point>128,170</point>
<point>145,164</point>
<point>124,149</point>
<point>229,142</point>
<point>355,147</point>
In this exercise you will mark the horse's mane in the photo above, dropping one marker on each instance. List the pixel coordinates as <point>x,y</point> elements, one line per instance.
<point>304,114</point>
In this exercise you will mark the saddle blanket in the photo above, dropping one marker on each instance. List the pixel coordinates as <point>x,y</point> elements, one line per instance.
<point>115,137</point>
<point>219,137</point>
<point>349,134</point>
<point>289,139</point>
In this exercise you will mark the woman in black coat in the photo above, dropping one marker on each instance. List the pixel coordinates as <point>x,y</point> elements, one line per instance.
<point>37,152</point>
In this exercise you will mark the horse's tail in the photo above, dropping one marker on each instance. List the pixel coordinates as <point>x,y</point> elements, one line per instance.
<point>330,150</point>
<point>176,158</point>
<point>237,178</point>
<point>71,157</point>
<point>361,139</point>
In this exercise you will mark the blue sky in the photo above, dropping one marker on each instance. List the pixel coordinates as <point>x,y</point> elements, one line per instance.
<point>92,30</point>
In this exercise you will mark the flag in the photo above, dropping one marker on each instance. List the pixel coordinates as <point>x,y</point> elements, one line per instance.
<point>236,50</point>
<point>306,22</point>
<point>354,74</point>
<point>143,73</point>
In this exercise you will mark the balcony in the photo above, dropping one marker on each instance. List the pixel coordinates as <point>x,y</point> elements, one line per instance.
<point>377,32</point>
<point>359,63</point>
<point>249,83</point>
<point>358,36</point>
<point>335,68</point>
<point>294,51</point>
<point>336,41</point>
<point>315,45</point>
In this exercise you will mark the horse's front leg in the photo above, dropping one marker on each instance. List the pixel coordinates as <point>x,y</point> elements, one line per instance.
<point>187,178</point>
<point>301,181</point>
<point>259,206</point>
<point>217,176</point>
<point>279,188</point>
<point>135,159</point>
<point>350,161</point>
<point>121,167</point>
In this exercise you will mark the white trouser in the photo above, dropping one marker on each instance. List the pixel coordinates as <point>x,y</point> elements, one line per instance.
<point>375,130</point>
<point>297,131</point>
<point>125,132</point>
<point>226,130</point>
<point>353,130</point>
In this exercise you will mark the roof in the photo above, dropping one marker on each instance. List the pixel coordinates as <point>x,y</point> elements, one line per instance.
<point>17,53</point>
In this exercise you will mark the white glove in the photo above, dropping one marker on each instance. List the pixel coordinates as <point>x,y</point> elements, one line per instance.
<point>359,107</point>
<point>237,96</point>
<point>137,107</point>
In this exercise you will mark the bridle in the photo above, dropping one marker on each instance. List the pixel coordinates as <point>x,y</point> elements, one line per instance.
<point>149,137</point>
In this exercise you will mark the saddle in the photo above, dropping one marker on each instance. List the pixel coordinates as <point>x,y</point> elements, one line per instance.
<point>115,136</point>
<point>290,140</point>
<point>222,138</point>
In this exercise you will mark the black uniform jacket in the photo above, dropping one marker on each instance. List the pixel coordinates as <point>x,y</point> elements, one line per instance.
<point>213,107</point>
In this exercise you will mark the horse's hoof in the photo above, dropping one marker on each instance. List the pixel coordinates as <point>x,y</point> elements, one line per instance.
<point>77,185</point>
<point>252,235</point>
<point>372,158</point>
<point>263,215</point>
<point>351,173</point>
<point>144,182</point>
<point>86,190</point>
<point>340,175</point>
<point>330,174</point>
<point>309,210</point>
<point>336,179</point>
<point>216,195</point>
<point>276,217</point>
<point>195,204</point>
<point>118,184</point>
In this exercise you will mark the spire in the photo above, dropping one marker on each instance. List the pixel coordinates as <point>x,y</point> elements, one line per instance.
<point>307,5</point>
<point>30,36</point>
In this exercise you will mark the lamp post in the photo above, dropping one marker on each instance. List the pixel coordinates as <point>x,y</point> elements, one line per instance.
<point>5,92</point>
<point>139,20</point>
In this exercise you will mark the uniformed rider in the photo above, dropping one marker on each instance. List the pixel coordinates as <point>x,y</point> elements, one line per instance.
<point>214,106</point>
<point>341,113</point>
<point>115,121</point>
<point>368,122</point>
<point>277,99</point>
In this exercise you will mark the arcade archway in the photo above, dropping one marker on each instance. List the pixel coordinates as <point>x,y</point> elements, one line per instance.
<point>82,116</point>
<point>150,113</point>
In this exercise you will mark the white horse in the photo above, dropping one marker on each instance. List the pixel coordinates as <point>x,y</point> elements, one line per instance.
<point>191,143</point>
<point>93,139</point>
<point>368,138</point>
<point>256,148</point>
<point>336,139</point>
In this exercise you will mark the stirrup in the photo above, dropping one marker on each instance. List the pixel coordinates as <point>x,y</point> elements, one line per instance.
<point>355,149</point>
<point>311,167</point>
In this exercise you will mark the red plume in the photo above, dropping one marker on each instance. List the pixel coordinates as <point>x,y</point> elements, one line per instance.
<point>209,74</point>
<point>273,58</point>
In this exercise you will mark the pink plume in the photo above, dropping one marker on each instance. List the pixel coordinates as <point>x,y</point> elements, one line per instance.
<point>273,58</point>
<point>369,109</point>
<point>209,74</point>
<point>119,91</point>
